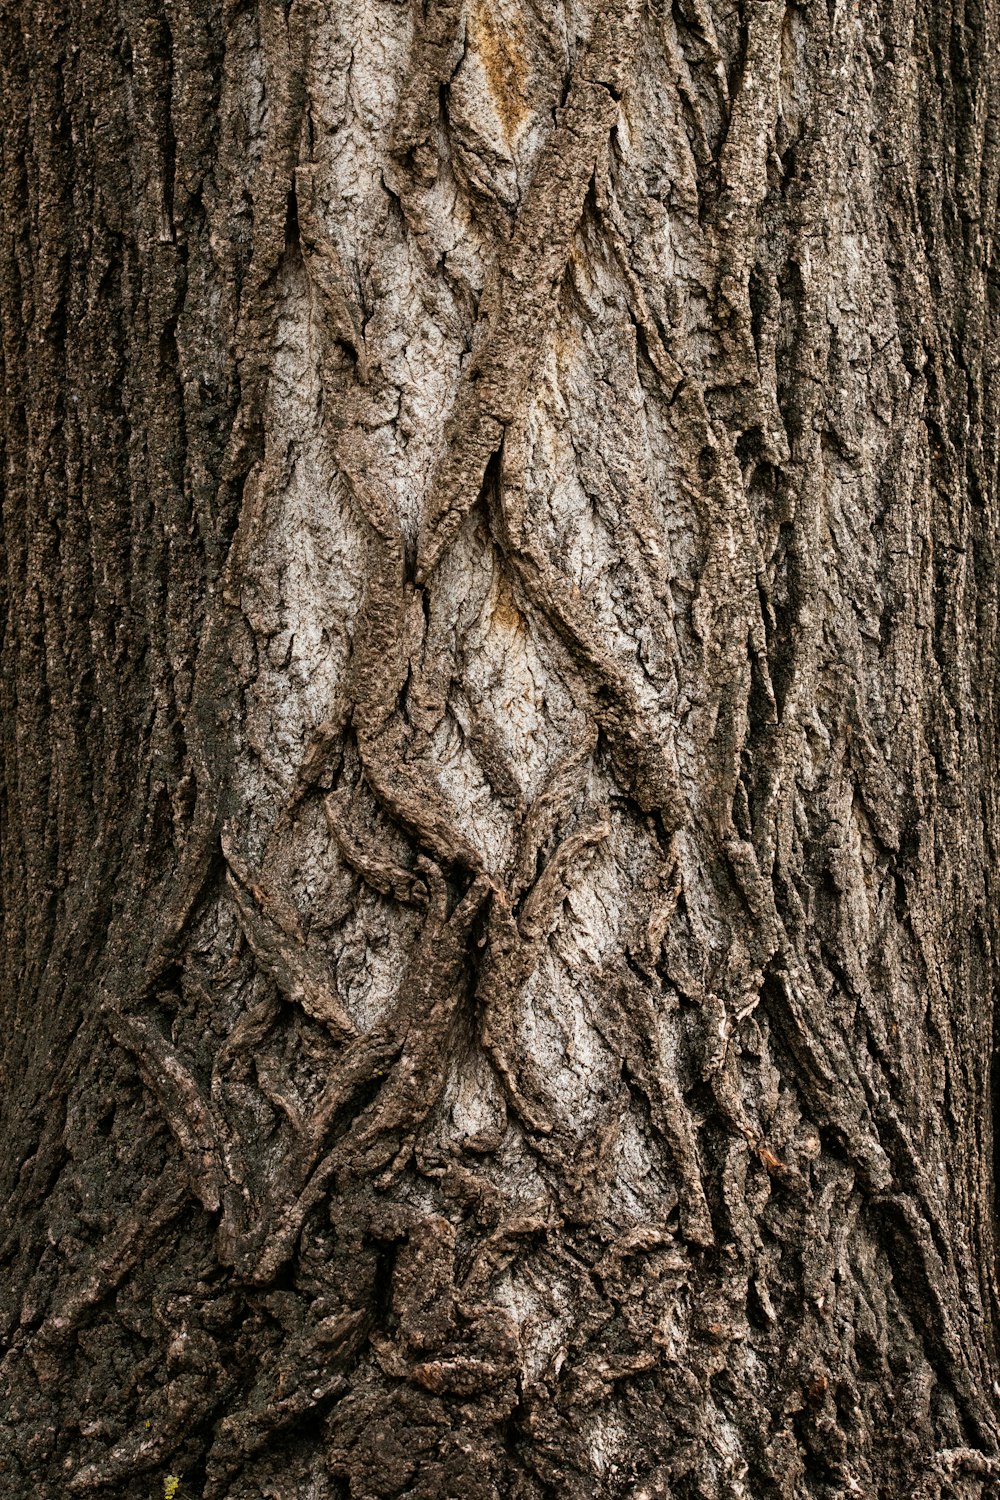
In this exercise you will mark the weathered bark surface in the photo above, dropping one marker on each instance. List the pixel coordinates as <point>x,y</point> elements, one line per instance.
<point>500,632</point>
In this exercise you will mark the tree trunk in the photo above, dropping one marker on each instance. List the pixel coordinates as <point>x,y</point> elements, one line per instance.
<point>499,749</point>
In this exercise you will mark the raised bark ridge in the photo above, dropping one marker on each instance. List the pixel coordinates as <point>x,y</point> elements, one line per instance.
<point>499,749</point>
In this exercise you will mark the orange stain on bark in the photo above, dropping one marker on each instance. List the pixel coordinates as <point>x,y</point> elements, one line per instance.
<point>499,46</point>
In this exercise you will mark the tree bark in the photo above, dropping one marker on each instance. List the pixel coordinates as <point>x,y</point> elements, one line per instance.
<point>499,749</point>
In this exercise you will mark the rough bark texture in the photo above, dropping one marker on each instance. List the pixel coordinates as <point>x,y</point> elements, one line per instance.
<point>499,749</point>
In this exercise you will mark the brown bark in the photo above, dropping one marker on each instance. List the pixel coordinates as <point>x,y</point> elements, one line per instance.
<point>499,763</point>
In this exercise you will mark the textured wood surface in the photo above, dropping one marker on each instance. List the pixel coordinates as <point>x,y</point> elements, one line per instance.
<point>500,825</point>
